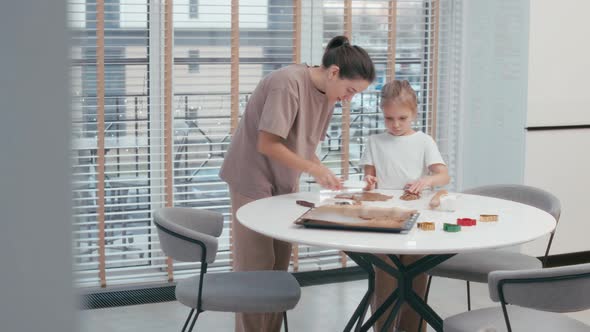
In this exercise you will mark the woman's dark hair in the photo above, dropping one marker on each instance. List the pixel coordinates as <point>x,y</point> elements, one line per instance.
<point>354,62</point>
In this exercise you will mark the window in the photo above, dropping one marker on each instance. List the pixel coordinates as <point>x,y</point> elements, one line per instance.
<point>193,66</point>
<point>113,141</point>
<point>129,160</point>
<point>193,11</point>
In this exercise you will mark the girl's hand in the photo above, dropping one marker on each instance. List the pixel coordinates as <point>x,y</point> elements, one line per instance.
<point>417,186</point>
<point>371,182</point>
<point>324,177</point>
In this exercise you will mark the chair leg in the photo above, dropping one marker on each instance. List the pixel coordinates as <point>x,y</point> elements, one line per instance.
<point>285,321</point>
<point>425,300</point>
<point>190,315</point>
<point>194,321</point>
<point>468,297</point>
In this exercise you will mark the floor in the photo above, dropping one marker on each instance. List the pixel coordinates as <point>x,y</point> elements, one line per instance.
<point>322,308</point>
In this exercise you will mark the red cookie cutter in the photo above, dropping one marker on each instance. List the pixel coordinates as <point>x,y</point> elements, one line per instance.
<point>466,221</point>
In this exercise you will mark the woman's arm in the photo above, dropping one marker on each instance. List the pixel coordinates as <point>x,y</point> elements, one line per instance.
<point>273,147</point>
<point>315,159</point>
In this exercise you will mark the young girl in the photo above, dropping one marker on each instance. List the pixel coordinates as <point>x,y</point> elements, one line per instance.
<point>285,119</point>
<point>401,158</point>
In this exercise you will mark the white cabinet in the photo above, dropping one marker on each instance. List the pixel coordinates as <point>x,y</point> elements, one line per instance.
<point>559,160</point>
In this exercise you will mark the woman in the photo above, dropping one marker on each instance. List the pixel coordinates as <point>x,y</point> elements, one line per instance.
<point>285,119</point>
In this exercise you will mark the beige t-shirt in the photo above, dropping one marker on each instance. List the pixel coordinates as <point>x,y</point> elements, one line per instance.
<point>287,104</point>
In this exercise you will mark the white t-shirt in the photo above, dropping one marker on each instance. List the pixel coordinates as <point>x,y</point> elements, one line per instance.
<point>400,159</point>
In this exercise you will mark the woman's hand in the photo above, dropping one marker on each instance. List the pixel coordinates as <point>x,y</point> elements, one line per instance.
<point>324,177</point>
<point>417,186</point>
<point>371,182</point>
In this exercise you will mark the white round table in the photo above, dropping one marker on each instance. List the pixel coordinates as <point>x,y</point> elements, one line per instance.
<point>518,223</point>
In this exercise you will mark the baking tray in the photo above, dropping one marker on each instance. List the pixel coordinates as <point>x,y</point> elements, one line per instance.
<point>318,218</point>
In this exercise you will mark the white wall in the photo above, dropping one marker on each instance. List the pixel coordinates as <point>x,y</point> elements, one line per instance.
<point>493,111</point>
<point>559,68</point>
<point>527,63</point>
<point>35,235</point>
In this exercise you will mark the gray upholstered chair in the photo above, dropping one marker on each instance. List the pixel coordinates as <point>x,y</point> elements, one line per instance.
<point>537,300</point>
<point>190,235</point>
<point>475,267</point>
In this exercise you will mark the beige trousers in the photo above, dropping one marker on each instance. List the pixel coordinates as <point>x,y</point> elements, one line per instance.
<point>407,319</point>
<point>253,251</point>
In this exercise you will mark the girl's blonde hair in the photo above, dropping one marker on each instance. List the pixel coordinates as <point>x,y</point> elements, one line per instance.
<point>400,93</point>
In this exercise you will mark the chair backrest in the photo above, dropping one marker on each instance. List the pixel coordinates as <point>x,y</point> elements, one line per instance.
<point>528,195</point>
<point>184,232</point>
<point>560,289</point>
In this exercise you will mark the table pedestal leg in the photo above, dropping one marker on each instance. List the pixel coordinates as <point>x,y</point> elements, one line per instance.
<point>405,275</point>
